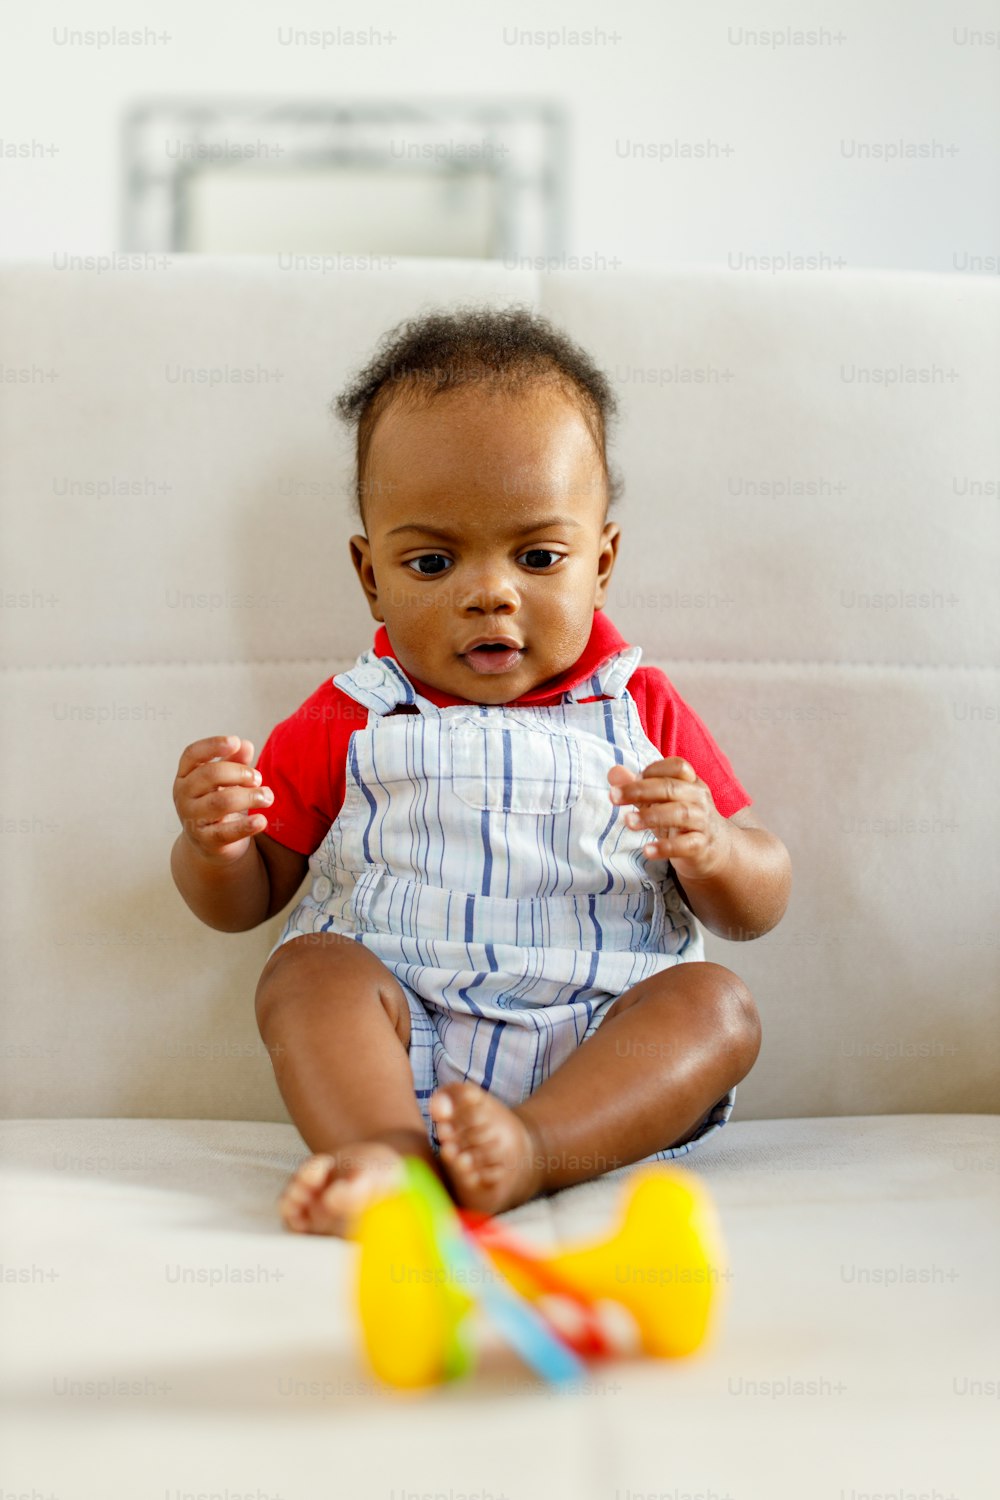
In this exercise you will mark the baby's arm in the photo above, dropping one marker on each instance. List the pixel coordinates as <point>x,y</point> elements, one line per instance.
<point>733,873</point>
<point>750,894</point>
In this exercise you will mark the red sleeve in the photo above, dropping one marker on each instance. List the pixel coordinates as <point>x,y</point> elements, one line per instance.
<point>304,762</point>
<point>675,727</point>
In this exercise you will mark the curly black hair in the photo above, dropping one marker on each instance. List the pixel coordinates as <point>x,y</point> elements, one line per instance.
<point>508,347</point>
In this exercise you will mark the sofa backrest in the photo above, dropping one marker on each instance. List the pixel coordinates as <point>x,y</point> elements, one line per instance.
<point>809,551</point>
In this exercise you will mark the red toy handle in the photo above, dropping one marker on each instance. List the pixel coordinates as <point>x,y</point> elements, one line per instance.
<point>591,1338</point>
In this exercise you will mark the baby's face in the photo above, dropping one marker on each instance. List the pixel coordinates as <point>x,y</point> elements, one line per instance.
<point>485,520</point>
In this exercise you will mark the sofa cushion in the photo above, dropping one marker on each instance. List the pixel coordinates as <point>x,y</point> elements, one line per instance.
<point>810,557</point>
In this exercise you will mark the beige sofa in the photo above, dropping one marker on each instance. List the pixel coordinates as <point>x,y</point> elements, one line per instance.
<point>810,552</point>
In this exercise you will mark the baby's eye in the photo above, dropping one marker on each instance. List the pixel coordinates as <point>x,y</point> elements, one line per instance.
<point>542,552</point>
<point>427,557</point>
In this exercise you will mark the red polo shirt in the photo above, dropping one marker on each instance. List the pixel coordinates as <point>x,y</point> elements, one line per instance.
<point>304,760</point>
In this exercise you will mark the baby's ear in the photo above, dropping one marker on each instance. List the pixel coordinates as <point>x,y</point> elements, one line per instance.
<point>607,555</point>
<point>361,557</point>
<point>606,559</point>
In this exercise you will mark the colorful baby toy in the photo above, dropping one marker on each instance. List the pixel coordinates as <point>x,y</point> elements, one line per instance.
<point>425,1266</point>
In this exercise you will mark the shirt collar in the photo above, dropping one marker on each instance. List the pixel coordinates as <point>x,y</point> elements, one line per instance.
<point>605,641</point>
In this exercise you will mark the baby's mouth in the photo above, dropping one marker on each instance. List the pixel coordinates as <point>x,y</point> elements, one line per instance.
<point>494,657</point>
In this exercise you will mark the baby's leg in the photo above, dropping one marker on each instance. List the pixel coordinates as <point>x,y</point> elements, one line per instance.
<point>337,1026</point>
<point>665,1053</point>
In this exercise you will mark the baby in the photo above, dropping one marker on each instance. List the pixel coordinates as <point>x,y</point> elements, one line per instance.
<point>511,829</point>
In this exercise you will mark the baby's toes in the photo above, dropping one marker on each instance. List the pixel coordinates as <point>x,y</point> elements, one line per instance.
<point>441,1107</point>
<point>466,1106</point>
<point>474,1148</point>
<point>303,1190</point>
<point>476,1135</point>
<point>489,1168</point>
<point>455,1109</point>
<point>468,1167</point>
<point>465,1143</point>
<point>338,1205</point>
<point>445,1131</point>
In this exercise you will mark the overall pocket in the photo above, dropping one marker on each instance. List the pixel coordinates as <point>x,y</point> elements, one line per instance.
<point>514,767</point>
<point>529,935</point>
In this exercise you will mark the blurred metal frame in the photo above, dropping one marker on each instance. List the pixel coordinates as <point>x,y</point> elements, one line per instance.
<point>522,146</point>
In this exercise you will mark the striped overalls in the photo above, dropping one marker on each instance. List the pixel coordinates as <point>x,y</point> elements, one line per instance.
<point>478,855</point>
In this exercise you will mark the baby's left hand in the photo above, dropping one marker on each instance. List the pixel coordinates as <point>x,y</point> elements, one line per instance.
<point>676,806</point>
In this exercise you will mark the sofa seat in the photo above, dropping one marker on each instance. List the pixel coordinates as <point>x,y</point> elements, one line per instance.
<point>164,1333</point>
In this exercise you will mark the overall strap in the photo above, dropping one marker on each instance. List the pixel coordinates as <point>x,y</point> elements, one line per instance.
<point>610,680</point>
<point>380,683</point>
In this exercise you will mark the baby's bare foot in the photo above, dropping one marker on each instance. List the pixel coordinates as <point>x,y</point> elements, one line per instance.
<point>487,1151</point>
<point>325,1193</point>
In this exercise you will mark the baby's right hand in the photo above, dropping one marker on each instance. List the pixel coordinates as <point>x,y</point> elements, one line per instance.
<point>214,789</point>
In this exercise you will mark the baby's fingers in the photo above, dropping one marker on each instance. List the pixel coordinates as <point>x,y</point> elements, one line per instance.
<point>657,789</point>
<point>227,816</point>
<point>228,838</point>
<point>675,766</point>
<point>673,844</point>
<point>217,773</point>
<point>214,747</point>
<point>659,780</point>
<point>224,802</point>
<point>234,825</point>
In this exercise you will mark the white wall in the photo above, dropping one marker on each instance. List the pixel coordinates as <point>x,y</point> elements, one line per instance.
<point>781,117</point>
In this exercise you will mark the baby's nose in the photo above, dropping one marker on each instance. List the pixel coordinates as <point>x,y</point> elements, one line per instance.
<point>489,586</point>
<point>488,600</point>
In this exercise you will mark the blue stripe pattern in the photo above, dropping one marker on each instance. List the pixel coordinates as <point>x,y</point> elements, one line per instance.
<point>478,855</point>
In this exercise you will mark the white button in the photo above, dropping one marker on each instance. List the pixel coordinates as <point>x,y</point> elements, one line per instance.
<point>322,887</point>
<point>368,676</point>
